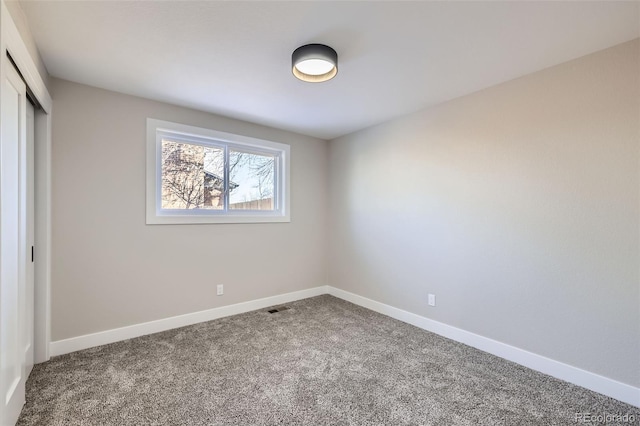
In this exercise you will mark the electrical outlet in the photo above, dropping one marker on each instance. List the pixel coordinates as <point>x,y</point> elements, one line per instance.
<point>220,290</point>
<point>432,299</point>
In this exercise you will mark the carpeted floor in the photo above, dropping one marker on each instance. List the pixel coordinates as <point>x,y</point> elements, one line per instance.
<point>324,361</point>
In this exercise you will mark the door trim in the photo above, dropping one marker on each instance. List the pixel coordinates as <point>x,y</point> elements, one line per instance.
<point>11,42</point>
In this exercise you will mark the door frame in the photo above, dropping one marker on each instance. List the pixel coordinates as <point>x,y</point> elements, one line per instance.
<point>11,42</point>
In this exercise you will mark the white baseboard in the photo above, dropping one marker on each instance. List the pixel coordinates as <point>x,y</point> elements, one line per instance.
<point>609,387</point>
<point>73,344</point>
<point>614,389</point>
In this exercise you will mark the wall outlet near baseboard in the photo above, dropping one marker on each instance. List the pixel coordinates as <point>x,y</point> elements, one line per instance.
<point>432,299</point>
<point>220,290</point>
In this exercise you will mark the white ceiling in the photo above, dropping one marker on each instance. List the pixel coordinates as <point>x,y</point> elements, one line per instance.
<point>233,58</point>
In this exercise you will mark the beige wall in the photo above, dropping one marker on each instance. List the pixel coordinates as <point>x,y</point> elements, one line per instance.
<point>518,206</point>
<point>110,270</point>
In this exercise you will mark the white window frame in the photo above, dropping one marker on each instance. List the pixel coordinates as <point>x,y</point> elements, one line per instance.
<point>156,129</point>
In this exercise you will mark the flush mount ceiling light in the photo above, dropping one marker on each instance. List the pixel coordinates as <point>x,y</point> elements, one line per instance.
<point>314,63</point>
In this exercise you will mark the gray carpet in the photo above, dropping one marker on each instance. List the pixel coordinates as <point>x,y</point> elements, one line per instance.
<point>323,361</point>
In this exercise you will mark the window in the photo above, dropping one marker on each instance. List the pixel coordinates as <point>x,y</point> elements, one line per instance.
<point>197,175</point>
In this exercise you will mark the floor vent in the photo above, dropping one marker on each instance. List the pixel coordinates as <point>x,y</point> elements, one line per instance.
<point>273,311</point>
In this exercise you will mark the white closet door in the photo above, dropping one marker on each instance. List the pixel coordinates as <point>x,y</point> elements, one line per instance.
<point>29,206</point>
<point>12,246</point>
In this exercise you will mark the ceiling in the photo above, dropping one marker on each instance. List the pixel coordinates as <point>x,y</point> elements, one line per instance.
<point>233,58</point>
